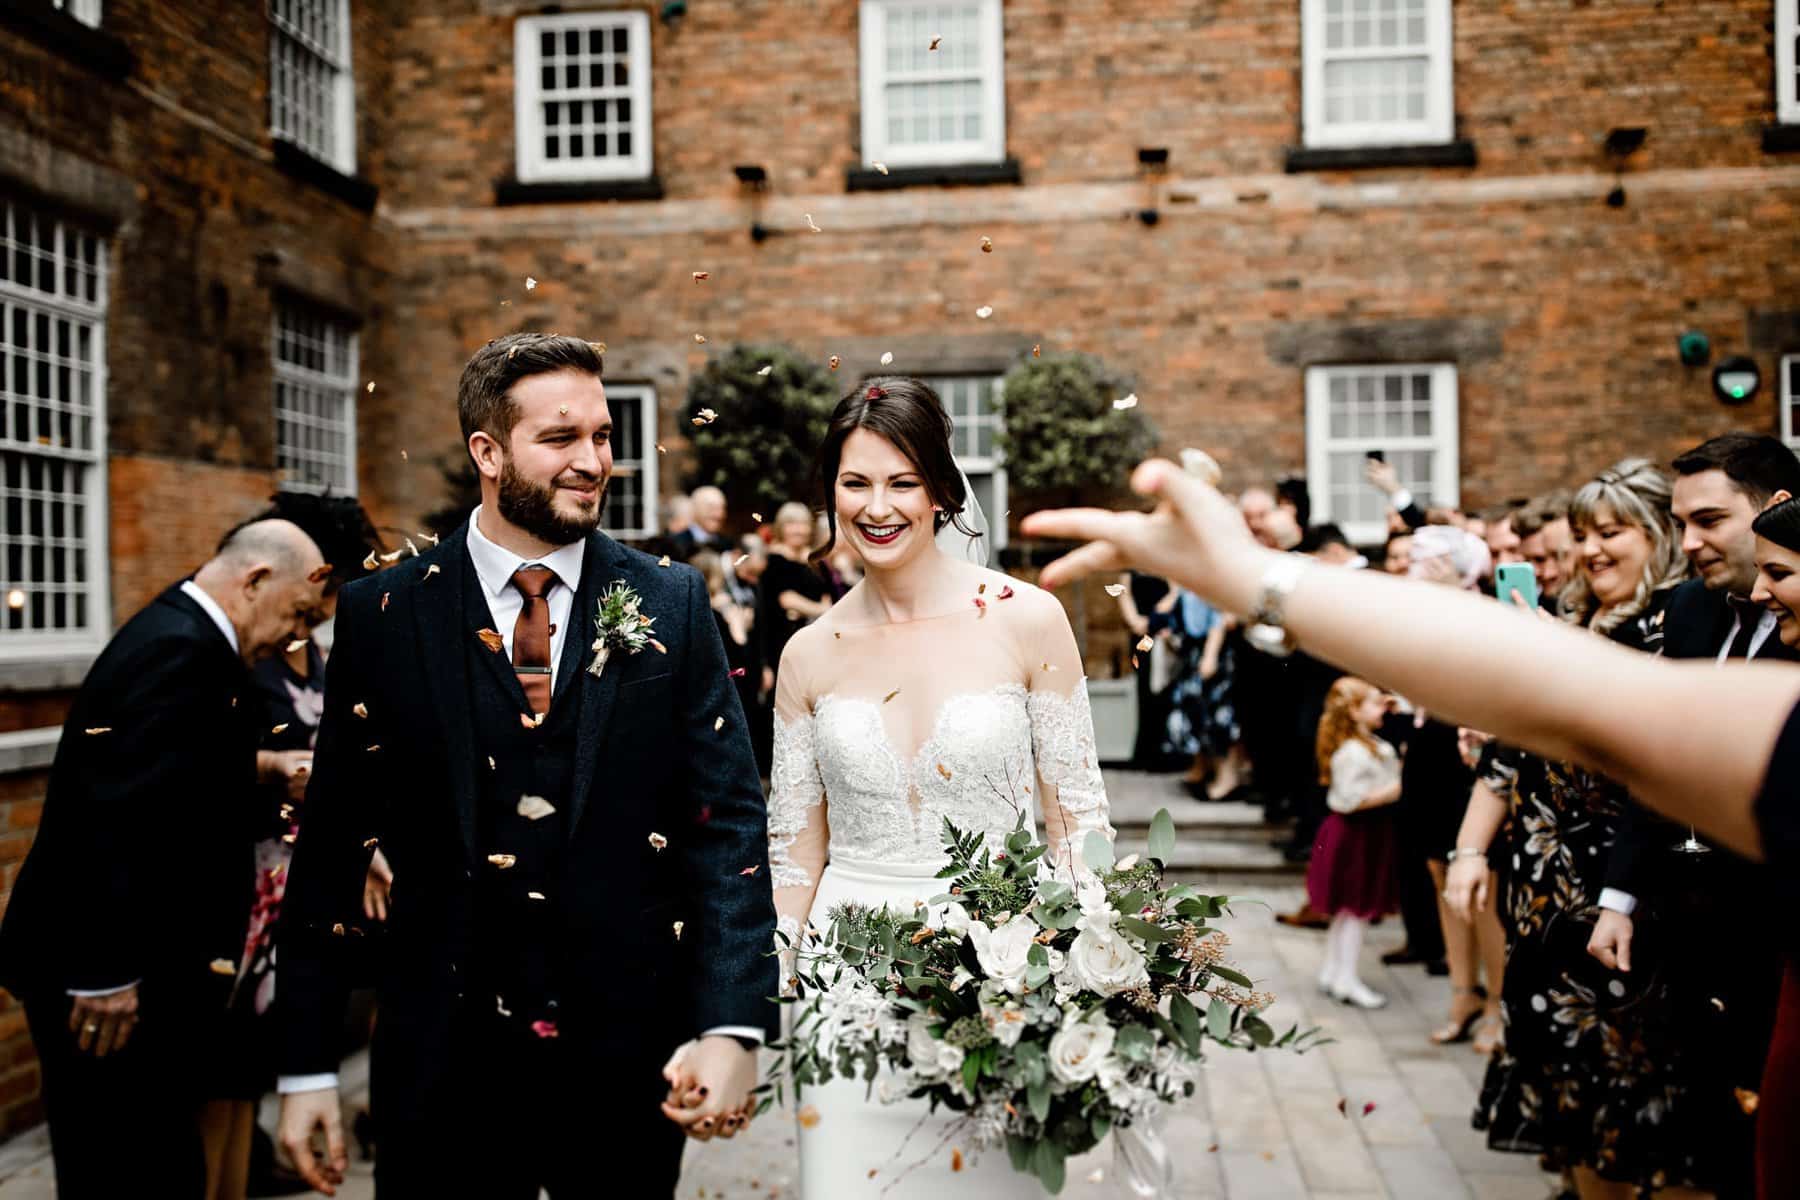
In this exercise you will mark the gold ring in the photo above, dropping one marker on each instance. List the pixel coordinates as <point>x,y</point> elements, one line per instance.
<point>90,1027</point>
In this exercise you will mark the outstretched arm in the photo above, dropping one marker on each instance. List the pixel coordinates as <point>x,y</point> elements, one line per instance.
<point>1691,741</point>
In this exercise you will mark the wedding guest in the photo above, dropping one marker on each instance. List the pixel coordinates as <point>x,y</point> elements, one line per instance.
<point>1545,543</point>
<point>707,531</point>
<point>1202,723</point>
<point>1139,598</point>
<point>1502,539</point>
<point>1398,558</point>
<point>1717,747</point>
<point>290,685</point>
<point>1385,479</point>
<point>737,628</point>
<point>1609,1106</point>
<point>742,565</point>
<point>678,515</point>
<point>1351,877</point>
<point>791,593</point>
<point>125,932</point>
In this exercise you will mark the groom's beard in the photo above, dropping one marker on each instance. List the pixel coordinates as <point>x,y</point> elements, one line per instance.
<point>531,506</point>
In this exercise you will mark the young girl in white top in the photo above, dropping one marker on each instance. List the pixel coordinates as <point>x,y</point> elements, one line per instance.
<point>1353,874</point>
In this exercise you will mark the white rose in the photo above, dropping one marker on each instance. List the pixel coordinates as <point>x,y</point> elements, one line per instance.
<point>951,918</point>
<point>1006,1024</point>
<point>1078,1049</point>
<point>1003,952</point>
<point>949,1058</point>
<point>1104,961</point>
<point>921,1047</point>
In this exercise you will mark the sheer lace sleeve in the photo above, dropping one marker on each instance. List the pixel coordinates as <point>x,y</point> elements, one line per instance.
<point>1071,794</point>
<point>798,835</point>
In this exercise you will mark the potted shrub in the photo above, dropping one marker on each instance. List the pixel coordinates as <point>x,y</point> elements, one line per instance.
<point>758,448</point>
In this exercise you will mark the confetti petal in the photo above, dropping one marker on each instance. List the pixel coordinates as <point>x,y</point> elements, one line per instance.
<point>987,245</point>
<point>1344,1107</point>
<point>700,275</point>
<point>735,673</point>
<point>658,842</point>
<point>1747,1099</point>
<point>1006,593</point>
<point>281,728</point>
<point>371,387</point>
<point>223,966</point>
<point>1125,402</point>
<point>503,861</point>
<point>834,366</point>
<point>766,371</point>
<point>935,43</point>
<point>531,720</point>
<point>664,561</point>
<point>706,416</point>
<point>1144,644</point>
<point>492,639</point>
<point>812,224</point>
<point>360,709</point>
<point>887,358</point>
<point>700,339</point>
<point>718,724</point>
<point>296,644</point>
<point>944,771</point>
<point>678,927</point>
<point>808,1117</point>
<point>1115,589</point>
<point>956,1159</point>
<point>985,311</point>
<point>530,284</point>
<point>371,843</point>
<point>880,167</point>
<point>544,1029</point>
<point>431,570</point>
<point>751,870</point>
<point>890,695</point>
<point>535,808</point>
<point>1368,1107</point>
<point>97,730</point>
<point>384,600</point>
<point>536,896</point>
<point>1035,351</point>
<point>371,563</point>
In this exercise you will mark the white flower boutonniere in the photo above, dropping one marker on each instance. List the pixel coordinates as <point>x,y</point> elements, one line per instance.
<point>619,624</point>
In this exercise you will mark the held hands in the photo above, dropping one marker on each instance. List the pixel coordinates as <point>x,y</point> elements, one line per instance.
<point>1466,887</point>
<point>102,1024</point>
<point>709,1088</point>
<point>1194,538</point>
<point>302,1115</point>
<point>1611,942</point>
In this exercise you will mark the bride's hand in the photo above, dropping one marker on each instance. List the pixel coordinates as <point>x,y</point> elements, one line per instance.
<point>1194,538</point>
<point>710,1081</point>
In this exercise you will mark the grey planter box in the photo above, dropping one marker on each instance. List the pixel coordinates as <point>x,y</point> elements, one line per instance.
<point>1115,717</point>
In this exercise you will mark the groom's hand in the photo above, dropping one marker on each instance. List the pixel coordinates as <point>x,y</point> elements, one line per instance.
<point>709,1088</point>
<point>301,1114</point>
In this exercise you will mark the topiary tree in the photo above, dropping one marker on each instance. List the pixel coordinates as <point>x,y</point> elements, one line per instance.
<point>759,450</point>
<point>1062,438</point>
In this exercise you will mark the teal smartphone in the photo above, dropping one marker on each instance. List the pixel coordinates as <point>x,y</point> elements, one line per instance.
<point>1516,583</point>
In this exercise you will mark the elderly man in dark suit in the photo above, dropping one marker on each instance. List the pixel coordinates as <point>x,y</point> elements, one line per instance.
<point>573,816</point>
<point>124,930</point>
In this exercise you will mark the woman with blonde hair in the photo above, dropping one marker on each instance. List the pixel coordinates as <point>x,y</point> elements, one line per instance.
<point>791,593</point>
<point>1589,1075</point>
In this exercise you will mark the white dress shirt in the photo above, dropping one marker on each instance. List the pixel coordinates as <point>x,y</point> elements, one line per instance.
<point>192,591</point>
<point>494,567</point>
<point>1622,901</point>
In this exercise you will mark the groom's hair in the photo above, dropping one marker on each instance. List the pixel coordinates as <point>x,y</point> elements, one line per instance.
<point>483,395</point>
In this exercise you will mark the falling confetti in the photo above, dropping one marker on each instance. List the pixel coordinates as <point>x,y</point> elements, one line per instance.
<point>985,311</point>
<point>660,450</point>
<point>1125,402</point>
<point>751,870</point>
<point>405,457</point>
<point>544,1029</point>
<point>531,720</point>
<point>431,570</point>
<point>393,557</point>
<point>881,167</point>
<point>97,730</point>
<point>935,42</point>
<point>1144,644</point>
<point>385,596</point>
<point>887,358</point>
<point>664,561</point>
<point>530,284</point>
<point>766,371</point>
<point>371,843</point>
<point>372,749</point>
<point>812,224</point>
<point>736,673</point>
<point>707,417</point>
<point>536,896</point>
<point>1097,1175</point>
<point>535,808</point>
<point>281,728</point>
<point>679,926</point>
<point>701,275</point>
<point>718,724</point>
<point>500,1007</point>
<point>944,771</point>
<point>981,606</point>
<point>1035,351</point>
<point>492,639</point>
<point>371,563</point>
<point>491,766</point>
<point>371,386</point>
<point>1718,1004</point>
<point>699,339</point>
<point>834,362</point>
<point>223,966</point>
<point>1747,1099</point>
<point>361,710</point>
<point>503,861</point>
<point>890,695</point>
<point>956,1159</point>
<point>658,842</point>
<point>1006,593</point>
<point>757,517</point>
<point>1368,1107</point>
<point>987,245</point>
<point>808,1117</point>
<point>296,644</point>
<point>1115,589</point>
<point>1344,1107</point>
<point>658,646</point>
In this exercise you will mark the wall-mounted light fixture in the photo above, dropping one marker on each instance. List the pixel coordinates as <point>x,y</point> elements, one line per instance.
<point>751,174</point>
<point>1622,141</point>
<point>1736,380</point>
<point>673,11</point>
<point>1153,164</point>
<point>1695,348</point>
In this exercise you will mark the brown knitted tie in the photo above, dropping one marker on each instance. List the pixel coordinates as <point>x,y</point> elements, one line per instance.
<point>531,636</point>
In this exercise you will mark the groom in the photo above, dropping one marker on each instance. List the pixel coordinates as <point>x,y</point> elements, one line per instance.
<point>580,859</point>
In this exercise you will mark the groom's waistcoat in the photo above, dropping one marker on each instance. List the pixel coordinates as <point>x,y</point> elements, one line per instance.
<point>521,859</point>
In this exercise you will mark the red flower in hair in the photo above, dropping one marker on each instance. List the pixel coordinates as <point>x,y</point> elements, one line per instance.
<point>876,393</point>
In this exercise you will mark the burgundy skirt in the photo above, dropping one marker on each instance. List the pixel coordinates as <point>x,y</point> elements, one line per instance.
<point>1355,865</point>
<point>1778,1114</point>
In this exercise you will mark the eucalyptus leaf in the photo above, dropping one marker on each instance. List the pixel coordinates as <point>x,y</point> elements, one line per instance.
<point>1186,1019</point>
<point>1047,1159</point>
<point>1097,852</point>
<point>1037,1096</point>
<point>1218,1019</point>
<point>1231,976</point>
<point>1146,930</point>
<point>1162,836</point>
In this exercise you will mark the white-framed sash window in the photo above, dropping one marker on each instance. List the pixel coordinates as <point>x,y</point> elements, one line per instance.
<point>631,494</point>
<point>1787,61</point>
<point>1376,73</point>
<point>312,91</point>
<point>1788,396</point>
<point>926,107</point>
<point>581,96</point>
<point>1408,411</point>
<point>315,401</point>
<point>53,503</point>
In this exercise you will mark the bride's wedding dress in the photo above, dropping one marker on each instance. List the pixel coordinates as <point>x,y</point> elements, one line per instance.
<point>881,733</point>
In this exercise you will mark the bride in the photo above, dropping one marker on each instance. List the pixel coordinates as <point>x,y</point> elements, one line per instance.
<point>935,688</point>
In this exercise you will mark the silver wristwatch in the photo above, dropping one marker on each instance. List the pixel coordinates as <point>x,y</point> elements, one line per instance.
<point>1268,630</point>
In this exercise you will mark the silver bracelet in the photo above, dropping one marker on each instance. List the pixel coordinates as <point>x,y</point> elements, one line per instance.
<point>1268,630</point>
<point>1464,852</point>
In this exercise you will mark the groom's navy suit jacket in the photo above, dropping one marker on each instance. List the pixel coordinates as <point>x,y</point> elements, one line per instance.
<point>648,946</point>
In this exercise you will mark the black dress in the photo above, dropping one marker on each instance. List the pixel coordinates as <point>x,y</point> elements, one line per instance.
<point>1591,1074</point>
<point>773,624</point>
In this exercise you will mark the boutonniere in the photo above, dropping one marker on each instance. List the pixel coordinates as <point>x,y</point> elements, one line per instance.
<point>619,624</point>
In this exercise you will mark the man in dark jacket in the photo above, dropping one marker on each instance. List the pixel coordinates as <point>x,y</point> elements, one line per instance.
<point>125,927</point>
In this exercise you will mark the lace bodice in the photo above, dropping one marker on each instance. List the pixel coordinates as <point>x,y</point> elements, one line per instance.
<point>987,718</point>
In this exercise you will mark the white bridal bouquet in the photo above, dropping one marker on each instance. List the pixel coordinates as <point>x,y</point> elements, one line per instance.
<point>1048,1005</point>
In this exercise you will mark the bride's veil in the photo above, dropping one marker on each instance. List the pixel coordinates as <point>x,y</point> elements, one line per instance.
<point>973,547</point>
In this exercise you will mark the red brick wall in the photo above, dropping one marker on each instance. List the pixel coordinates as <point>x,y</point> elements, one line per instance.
<point>21,803</point>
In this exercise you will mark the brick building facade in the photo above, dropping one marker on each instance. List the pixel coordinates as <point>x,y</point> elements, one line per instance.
<point>1470,234</point>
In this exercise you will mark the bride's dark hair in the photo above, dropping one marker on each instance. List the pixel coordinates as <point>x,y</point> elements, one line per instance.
<point>1780,523</point>
<point>909,414</point>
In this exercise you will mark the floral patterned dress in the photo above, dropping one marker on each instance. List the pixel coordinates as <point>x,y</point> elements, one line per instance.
<point>1590,1074</point>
